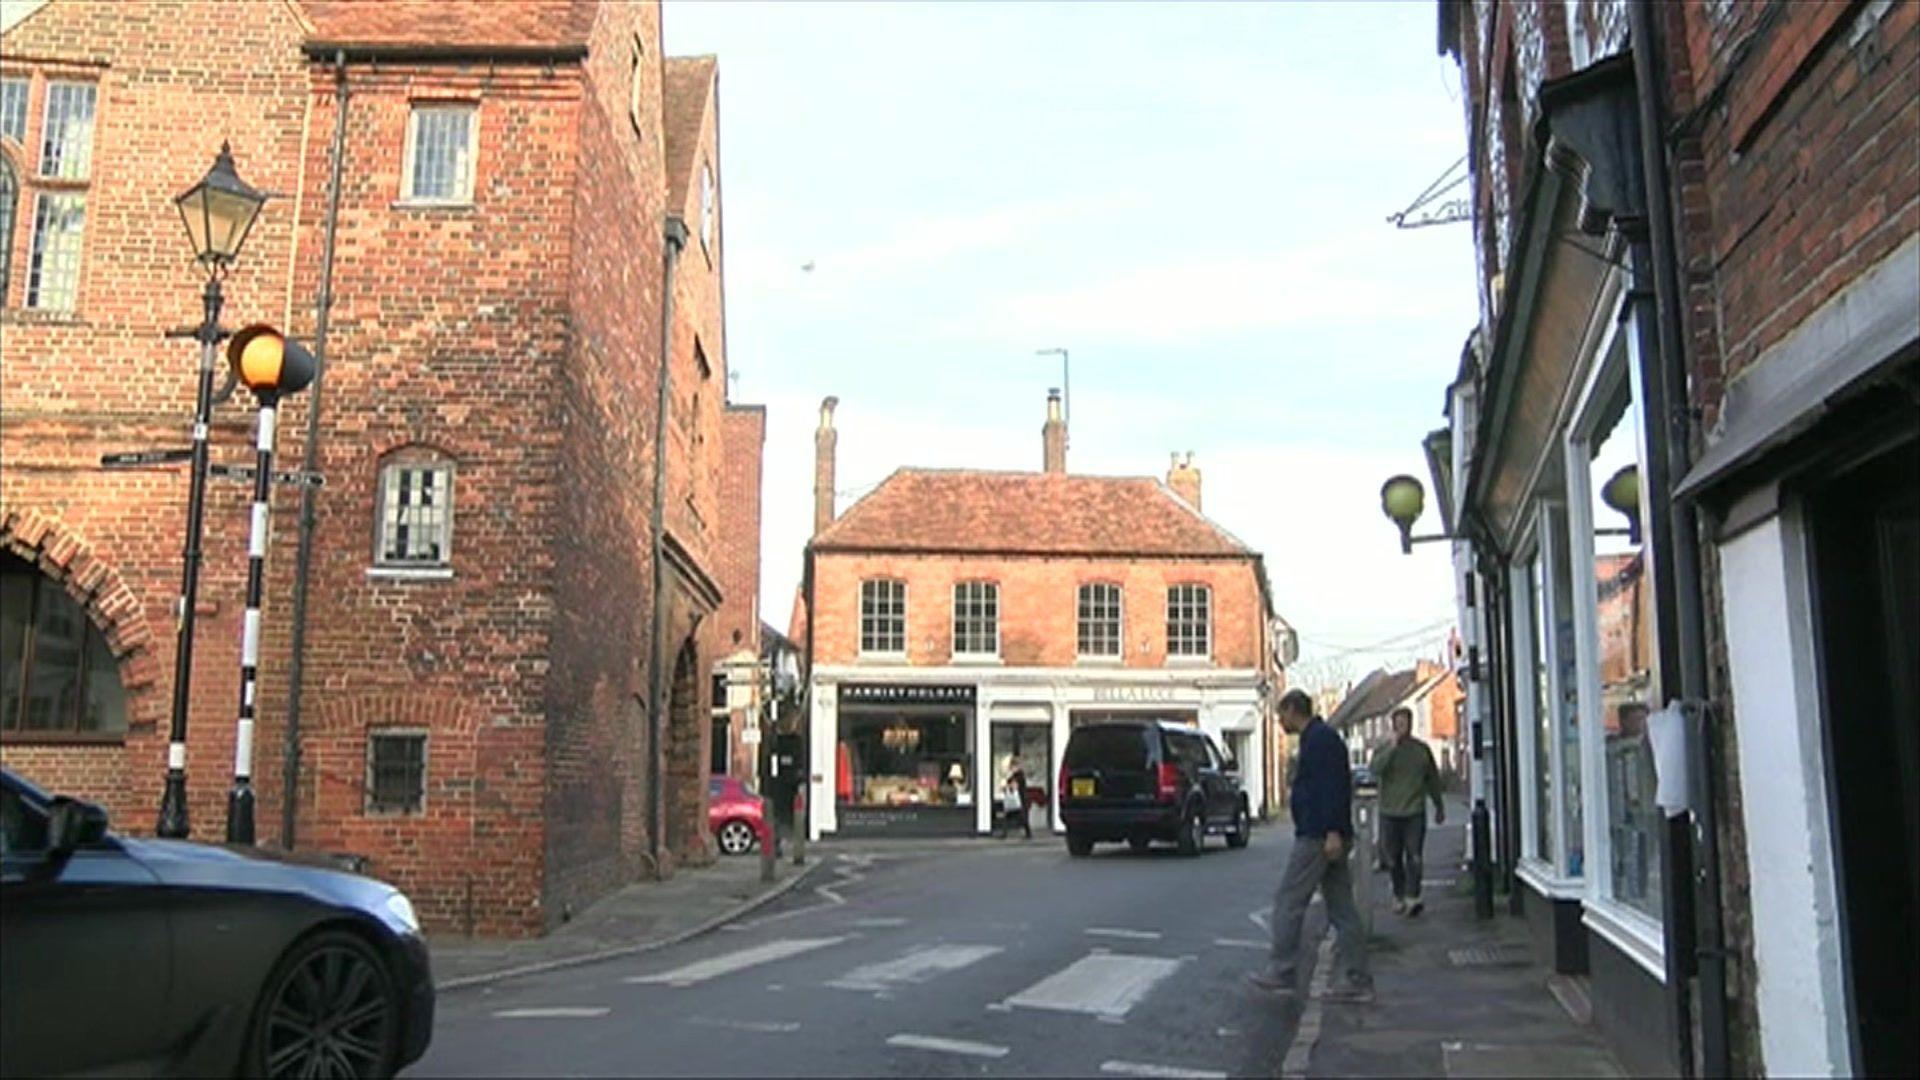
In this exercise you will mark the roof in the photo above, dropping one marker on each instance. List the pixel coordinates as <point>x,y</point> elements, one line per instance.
<point>689,86</point>
<point>453,24</point>
<point>1382,690</point>
<point>964,510</point>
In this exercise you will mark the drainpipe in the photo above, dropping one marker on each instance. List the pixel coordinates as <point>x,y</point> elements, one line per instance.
<point>1683,547</point>
<point>803,813</point>
<point>676,239</point>
<point>303,561</point>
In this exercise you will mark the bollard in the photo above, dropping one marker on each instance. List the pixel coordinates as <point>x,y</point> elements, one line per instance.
<point>772,840</point>
<point>800,824</point>
<point>1360,861</point>
<point>1482,861</point>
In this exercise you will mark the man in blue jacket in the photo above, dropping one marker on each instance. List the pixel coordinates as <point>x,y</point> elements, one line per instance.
<point>1322,807</point>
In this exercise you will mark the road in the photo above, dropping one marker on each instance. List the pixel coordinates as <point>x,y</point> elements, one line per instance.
<point>965,960</point>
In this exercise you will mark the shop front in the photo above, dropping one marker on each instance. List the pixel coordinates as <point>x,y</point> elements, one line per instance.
<point>904,761</point>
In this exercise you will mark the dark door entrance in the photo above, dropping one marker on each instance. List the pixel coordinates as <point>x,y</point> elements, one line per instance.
<point>1865,525</point>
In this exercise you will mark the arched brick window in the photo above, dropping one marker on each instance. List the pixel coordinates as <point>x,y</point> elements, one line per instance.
<point>58,677</point>
<point>414,515</point>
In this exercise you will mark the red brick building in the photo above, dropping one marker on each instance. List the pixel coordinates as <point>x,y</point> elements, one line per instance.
<point>961,619</point>
<point>741,683</point>
<point>475,708</point>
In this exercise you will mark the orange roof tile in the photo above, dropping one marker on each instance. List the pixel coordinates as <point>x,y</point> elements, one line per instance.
<point>452,23</point>
<point>1026,513</point>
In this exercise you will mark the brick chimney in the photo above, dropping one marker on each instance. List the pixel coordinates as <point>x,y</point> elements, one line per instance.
<point>824,441</point>
<point>1184,479</point>
<point>1053,436</point>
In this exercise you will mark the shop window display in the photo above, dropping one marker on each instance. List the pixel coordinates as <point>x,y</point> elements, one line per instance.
<point>895,759</point>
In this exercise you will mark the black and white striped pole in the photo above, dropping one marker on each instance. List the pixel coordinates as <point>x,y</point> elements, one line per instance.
<point>270,366</point>
<point>218,212</point>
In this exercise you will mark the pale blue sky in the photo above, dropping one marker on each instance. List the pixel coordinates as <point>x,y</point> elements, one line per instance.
<point>1189,197</point>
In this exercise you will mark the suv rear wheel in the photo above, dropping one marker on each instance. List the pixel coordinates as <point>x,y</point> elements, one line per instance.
<point>1079,846</point>
<point>1193,831</point>
<point>1139,842</point>
<point>1242,830</point>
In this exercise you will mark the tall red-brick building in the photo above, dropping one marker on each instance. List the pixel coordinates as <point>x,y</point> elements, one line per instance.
<point>964,620</point>
<point>528,221</point>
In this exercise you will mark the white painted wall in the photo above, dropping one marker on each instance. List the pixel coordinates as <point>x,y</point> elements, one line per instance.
<point>1796,925</point>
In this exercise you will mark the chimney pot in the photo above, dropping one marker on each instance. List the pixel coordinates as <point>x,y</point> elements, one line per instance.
<point>1184,479</point>
<point>1053,436</point>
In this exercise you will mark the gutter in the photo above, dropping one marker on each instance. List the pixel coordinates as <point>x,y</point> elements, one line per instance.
<point>303,561</point>
<point>402,52</point>
<point>676,240</point>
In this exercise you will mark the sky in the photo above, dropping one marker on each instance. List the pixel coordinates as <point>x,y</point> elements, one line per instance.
<point>1190,198</point>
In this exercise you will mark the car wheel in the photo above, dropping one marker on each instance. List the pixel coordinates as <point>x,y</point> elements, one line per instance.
<point>328,1009</point>
<point>1242,829</point>
<point>1139,843</point>
<point>1193,832</point>
<point>1079,846</point>
<point>736,837</point>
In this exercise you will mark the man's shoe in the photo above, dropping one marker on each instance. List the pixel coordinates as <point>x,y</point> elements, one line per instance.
<point>1272,984</point>
<point>1399,906</point>
<point>1352,995</point>
<point>1415,907</point>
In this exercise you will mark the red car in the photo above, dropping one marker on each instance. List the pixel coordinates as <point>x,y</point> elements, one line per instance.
<point>733,813</point>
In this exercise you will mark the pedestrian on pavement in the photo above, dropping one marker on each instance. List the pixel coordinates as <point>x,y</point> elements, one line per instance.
<point>1408,777</point>
<point>1322,808</point>
<point>1013,799</point>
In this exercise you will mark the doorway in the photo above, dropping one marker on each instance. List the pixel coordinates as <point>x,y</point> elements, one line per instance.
<point>1865,531</point>
<point>1029,746</point>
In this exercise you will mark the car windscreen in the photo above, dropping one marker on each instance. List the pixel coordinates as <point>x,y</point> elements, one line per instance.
<point>1108,748</point>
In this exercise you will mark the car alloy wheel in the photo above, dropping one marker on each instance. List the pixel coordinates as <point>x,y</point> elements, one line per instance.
<point>1193,834</point>
<point>1242,829</point>
<point>736,838</point>
<point>329,1010</point>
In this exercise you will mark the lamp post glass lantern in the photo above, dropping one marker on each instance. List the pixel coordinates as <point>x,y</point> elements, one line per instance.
<point>1621,493</point>
<point>1402,499</point>
<point>218,212</point>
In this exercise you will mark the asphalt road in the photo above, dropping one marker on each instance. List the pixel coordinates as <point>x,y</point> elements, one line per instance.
<point>958,961</point>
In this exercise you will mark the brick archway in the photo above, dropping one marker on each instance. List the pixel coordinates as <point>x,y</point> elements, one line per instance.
<point>108,600</point>
<point>686,761</point>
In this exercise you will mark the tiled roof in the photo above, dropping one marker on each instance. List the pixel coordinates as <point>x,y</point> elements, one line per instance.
<point>455,23</point>
<point>1026,513</point>
<point>689,85</point>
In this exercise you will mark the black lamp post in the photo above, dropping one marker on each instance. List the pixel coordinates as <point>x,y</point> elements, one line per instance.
<point>270,366</point>
<point>218,212</point>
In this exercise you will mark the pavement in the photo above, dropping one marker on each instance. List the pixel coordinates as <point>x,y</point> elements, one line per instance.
<point>1007,957</point>
<point>636,919</point>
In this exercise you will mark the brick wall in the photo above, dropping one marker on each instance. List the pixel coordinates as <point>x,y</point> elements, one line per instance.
<point>737,561</point>
<point>174,81</point>
<point>1038,605</point>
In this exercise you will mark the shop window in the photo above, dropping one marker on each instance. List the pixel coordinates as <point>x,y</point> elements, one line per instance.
<point>58,677</point>
<point>905,759</point>
<point>883,617</point>
<point>1550,699</point>
<point>1189,622</point>
<point>1100,620</point>
<point>396,772</point>
<point>976,619</point>
<point>416,512</point>
<point>439,165</point>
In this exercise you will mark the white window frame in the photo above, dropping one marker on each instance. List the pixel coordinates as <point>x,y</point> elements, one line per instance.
<point>1120,616</point>
<point>419,568</point>
<point>1641,937</point>
<point>464,188</point>
<point>993,593</point>
<point>890,654</point>
<point>1206,624</point>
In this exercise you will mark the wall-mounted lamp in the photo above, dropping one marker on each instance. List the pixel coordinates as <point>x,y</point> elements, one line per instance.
<point>1622,494</point>
<point>1402,498</point>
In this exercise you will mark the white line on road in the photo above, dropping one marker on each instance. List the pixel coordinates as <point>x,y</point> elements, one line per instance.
<point>703,970</point>
<point>587,1012</point>
<point>1103,983</point>
<point>1130,935</point>
<point>1262,919</point>
<point>1131,1068</point>
<point>879,923</point>
<point>1240,943</point>
<point>768,1026</point>
<point>914,967</point>
<point>947,1046</point>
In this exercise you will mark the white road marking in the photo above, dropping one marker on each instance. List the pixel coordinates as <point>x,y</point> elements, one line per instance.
<point>1107,984</point>
<point>1131,1068</point>
<point>1130,935</point>
<point>1307,1034</point>
<point>879,924</point>
<point>569,1012</point>
<point>1240,943</point>
<point>947,1046</point>
<point>1262,918</point>
<point>769,1026</point>
<point>914,967</point>
<point>703,970</point>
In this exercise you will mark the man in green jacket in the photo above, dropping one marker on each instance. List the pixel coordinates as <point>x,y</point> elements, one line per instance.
<point>1407,776</point>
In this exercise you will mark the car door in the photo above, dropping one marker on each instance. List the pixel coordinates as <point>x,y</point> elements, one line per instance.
<point>86,963</point>
<point>1225,780</point>
<point>1192,755</point>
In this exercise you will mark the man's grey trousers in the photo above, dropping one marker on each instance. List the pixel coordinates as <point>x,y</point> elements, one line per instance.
<point>1309,868</point>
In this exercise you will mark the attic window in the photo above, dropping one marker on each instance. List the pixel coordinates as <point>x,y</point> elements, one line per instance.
<point>706,207</point>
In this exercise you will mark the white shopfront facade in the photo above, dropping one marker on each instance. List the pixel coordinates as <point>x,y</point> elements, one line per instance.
<point>980,716</point>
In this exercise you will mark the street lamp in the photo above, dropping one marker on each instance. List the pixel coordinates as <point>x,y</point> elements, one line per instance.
<point>1622,493</point>
<point>270,366</point>
<point>1402,499</point>
<point>218,212</point>
<point>1066,386</point>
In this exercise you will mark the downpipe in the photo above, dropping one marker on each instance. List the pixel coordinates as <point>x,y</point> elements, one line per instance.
<point>676,239</point>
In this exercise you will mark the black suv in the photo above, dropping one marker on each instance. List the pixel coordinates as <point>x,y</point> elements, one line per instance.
<point>1148,780</point>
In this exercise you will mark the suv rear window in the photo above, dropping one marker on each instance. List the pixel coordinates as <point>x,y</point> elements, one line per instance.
<point>1108,748</point>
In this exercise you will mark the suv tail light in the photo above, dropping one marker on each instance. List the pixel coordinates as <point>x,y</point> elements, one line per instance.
<point>1169,781</point>
<point>1060,792</point>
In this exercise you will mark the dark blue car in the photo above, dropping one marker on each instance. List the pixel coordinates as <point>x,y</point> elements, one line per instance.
<point>164,957</point>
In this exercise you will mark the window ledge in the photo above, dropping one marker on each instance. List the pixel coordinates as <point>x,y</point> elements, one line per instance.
<point>63,738</point>
<point>1541,876</point>
<point>1100,661</point>
<point>432,204</point>
<point>1190,661</point>
<point>977,660</point>
<point>1634,933</point>
<point>881,658</point>
<point>43,316</point>
<point>410,573</point>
